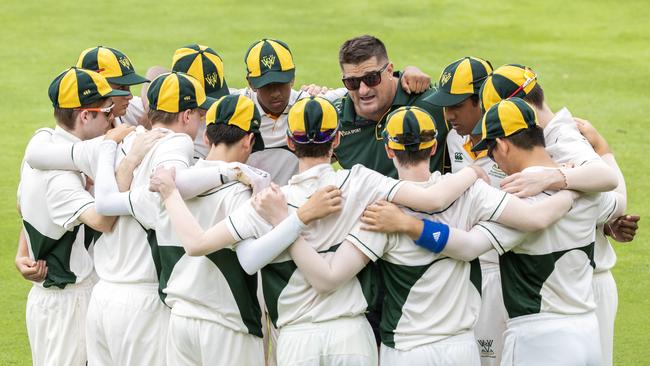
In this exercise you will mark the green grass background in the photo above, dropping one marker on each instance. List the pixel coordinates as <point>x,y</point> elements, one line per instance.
<point>590,55</point>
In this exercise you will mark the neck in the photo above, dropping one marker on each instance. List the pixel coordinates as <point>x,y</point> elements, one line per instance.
<point>222,152</point>
<point>535,157</point>
<point>414,173</point>
<point>75,132</point>
<point>176,127</point>
<point>308,163</point>
<point>475,139</point>
<point>544,115</point>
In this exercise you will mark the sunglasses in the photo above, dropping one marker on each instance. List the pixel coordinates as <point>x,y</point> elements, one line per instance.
<point>371,79</point>
<point>106,110</point>
<point>529,79</point>
<point>317,138</point>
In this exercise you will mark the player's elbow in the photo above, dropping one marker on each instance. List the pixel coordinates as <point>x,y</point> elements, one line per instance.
<point>104,224</point>
<point>193,251</point>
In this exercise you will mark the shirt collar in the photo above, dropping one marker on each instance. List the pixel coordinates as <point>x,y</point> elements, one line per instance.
<point>315,172</point>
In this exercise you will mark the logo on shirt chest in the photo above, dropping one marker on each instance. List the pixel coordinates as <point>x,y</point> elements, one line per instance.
<point>350,132</point>
<point>458,156</point>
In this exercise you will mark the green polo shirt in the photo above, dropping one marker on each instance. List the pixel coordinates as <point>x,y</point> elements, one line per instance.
<point>361,141</point>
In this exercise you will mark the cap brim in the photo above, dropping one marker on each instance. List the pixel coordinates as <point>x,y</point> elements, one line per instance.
<point>480,146</point>
<point>128,79</point>
<point>444,99</point>
<point>271,77</point>
<point>478,129</point>
<point>258,145</point>
<point>208,102</point>
<point>117,93</point>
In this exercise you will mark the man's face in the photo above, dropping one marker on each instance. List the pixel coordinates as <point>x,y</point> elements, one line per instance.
<point>371,102</point>
<point>121,103</point>
<point>463,116</point>
<point>274,97</point>
<point>98,125</point>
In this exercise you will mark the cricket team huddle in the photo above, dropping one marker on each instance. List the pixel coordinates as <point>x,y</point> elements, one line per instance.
<point>388,222</point>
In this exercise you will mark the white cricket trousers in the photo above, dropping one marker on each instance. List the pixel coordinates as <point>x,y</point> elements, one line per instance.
<point>192,341</point>
<point>453,351</point>
<point>552,339</point>
<point>126,325</point>
<point>56,320</point>
<point>606,296</point>
<point>339,342</point>
<point>491,322</point>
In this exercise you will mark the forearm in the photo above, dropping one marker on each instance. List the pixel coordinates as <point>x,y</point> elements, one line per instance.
<point>438,196</point>
<point>108,199</point>
<point>192,182</point>
<point>255,254</point>
<point>124,173</point>
<point>194,239</point>
<point>593,177</point>
<point>22,251</point>
<point>529,217</point>
<point>621,188</point>
<point>466,246</point>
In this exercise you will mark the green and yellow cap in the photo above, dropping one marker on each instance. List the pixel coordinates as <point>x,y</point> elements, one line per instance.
<point>269,61</point>
<point>115,66</point>
<point>460,80</point>
<point>238,111</point>
<point>312,120</point>
<point>507,81</point>
<point>75,87</point>
<point>204,65</point>
<point>410,128</point>
<point>175,92</point>
<point>504,119</point>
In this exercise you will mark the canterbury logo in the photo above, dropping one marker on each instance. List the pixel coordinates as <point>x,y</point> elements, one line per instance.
<point>444,79</point>
<point>458,156</point>
<point>268,61</point>
<point>86,92</point>
<point>212,79</point>
<point>125,62</point>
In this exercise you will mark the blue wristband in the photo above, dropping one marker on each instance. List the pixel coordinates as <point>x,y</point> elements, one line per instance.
<point>434,236</point>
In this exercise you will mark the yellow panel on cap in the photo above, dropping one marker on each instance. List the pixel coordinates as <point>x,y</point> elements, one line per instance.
<point>68,90</point>
<point>489,96</point>
<point>243,113</point>
<point>253,60</point>
<point>211,114</point>
<point>196,70</point>
<point>424,119</point>
<point>286,60</point>
<point>330,117</point>
<point>394,127</point>
<point>296,119</point>
<point>461,83</point>
<point>100,82</point>
<point>511,118</point>
<point>169,94</point>
<point>108,63</point>
<point>182,52</point>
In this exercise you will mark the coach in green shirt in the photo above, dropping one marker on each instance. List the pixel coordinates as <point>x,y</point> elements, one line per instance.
<point>373,92</point>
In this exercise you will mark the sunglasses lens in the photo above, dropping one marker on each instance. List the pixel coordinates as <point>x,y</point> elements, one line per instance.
<point>372,79</point>
<point>352,83</point>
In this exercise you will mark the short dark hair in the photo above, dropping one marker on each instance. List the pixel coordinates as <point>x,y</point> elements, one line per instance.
<point>529,138</point>
<point>476,99</point>
<point>162,117</point>
<point>312,150</point>
<point>362,48</point>
<point>220,133</point>
<point>409,158</point>
<point>535,96</point>
<point>67,116</point>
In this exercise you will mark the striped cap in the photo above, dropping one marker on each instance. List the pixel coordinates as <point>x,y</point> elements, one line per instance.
<point>460,80</point>
<point>405,127</point>
<point>204,65</point>
<point>238,111</point>
<point>506,82</point>
<point>112,64</point>
<point>75,87</point>
<point>505,118</point>
<point>175,92</point>
<point>269,61</point>
<point>312,115</point>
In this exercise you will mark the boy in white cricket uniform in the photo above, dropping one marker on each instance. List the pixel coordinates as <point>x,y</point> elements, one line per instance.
<point>53,205</point>
<point>117,68</point>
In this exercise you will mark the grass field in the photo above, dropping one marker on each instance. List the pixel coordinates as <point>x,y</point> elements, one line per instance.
<point>591,56</point>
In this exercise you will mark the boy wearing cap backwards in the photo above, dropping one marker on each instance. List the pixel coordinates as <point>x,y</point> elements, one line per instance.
<point>415,327</point>
<point>594,174</point>
<point>53,205</point>
<point>117,68</point>
<point>459,87</point>
<point>546,276</point>
<point>295,306</point>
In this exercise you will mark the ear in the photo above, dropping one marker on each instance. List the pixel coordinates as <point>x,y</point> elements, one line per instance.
<point>249,141</point>
<point>84,118</point>
<point>390,68</point>
<point>290,144</point>
<point>503,145</point>
<point>434,148</point>
<point>292,81</point>
<point>337,140</point>
<point>184,117</point>
<point>389,152</point>
<point>206,140</point>
<point>251,85</point>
